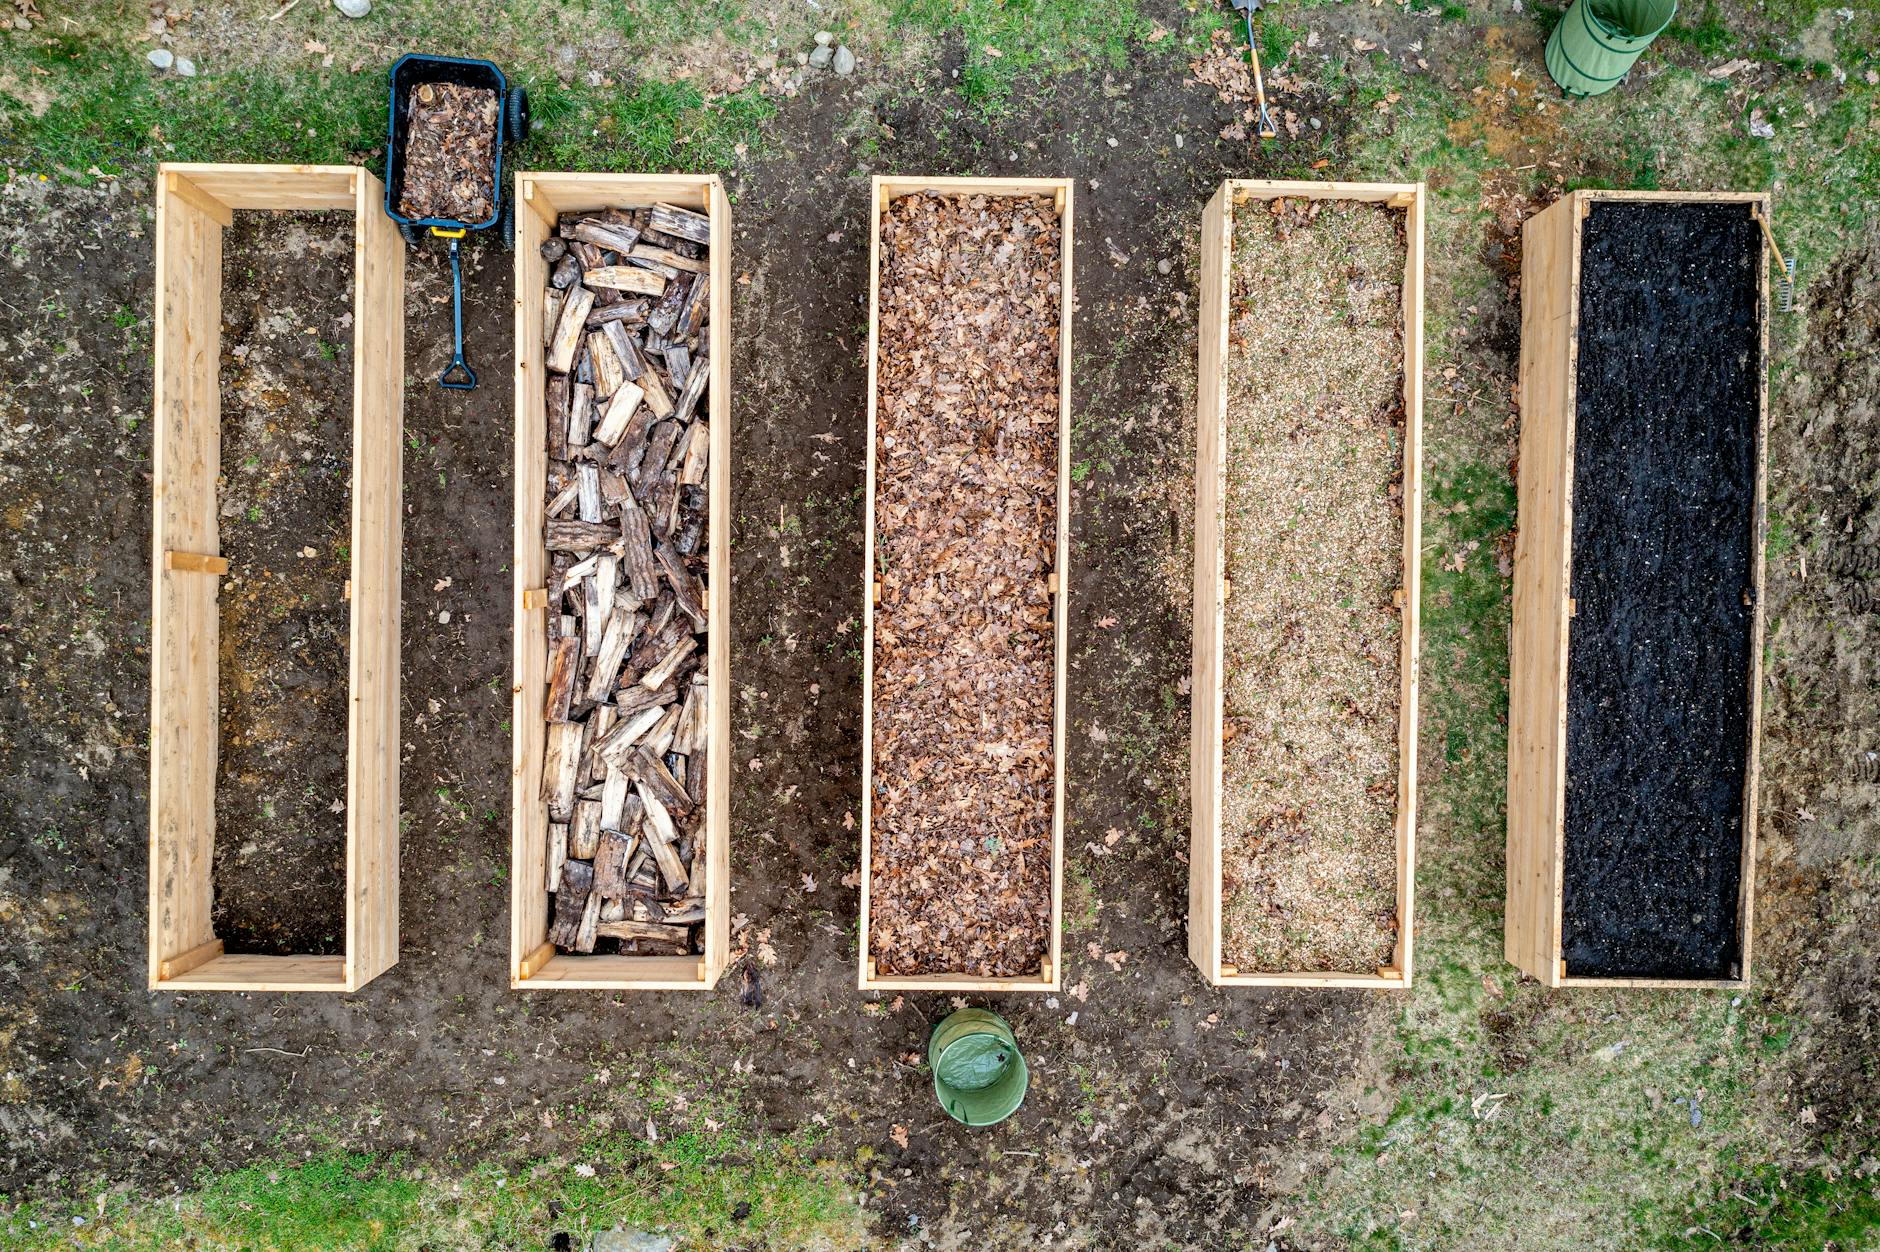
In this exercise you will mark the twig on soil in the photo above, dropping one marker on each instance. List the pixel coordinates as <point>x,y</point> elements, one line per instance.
<point>298,1056</point>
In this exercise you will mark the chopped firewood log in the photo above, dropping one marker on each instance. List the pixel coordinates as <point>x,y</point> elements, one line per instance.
<point>695,770</point>
<point>577,884</point>
<point>563,536</point>
<point>688,911</point>
<point>552,300</point>
<point>658,741</point>
<point>590,919</point>
<point>584,832</point>
<point>614,238</point>
<point>698,451</point>
<point>610,864</point>
<point>656,397</point>
<point>650,772</point>
<point>625,311</point>
<point>594,769</point>
<point>618,744</point>
<point>561,667</point>
<point>637,553</point>
<point>556,410</point>
<point>580,414</point>
<point>678,363</point>
<point>613,650</point>
<point>563,500</point>
<point>664,668</point>
<point>629,356</point>
<point>665,314</point>
<point>615,423</point>
<point>560,768</point>
<point>669,219</point>
<point>626,278</point>
<point>689,733</point>
<point>567,273</point>
<point>567,340</point>
<point>692,311</point>
<point>588,486</point>
<point>673,939</point>
<point>689,535</point>
<point>694,389</point>
<point>557,852</point>
<point>553,250</point>
<point>631,447</point>
<point>684,585</point>
<point>635,699</point>
<point>667,257</point>
<point>661,837</point>
<point>614,792</point>
<point>658,448</point>
<point>608,374</point>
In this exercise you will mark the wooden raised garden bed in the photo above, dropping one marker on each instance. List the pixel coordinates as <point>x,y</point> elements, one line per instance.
<point>622,739</point>
<point>194,207</point>
<point>965,584</point>
<point>1308,490</point>
<point>1634,690</point>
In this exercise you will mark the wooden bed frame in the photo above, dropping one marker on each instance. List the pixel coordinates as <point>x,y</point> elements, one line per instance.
<point>194,207</point>
<point>534,963</point>
<point>1205,904</point>
<point>1543,601</point>
<point>886,190</point>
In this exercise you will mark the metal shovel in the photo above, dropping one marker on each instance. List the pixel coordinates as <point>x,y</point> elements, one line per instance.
<point>1247,9</point>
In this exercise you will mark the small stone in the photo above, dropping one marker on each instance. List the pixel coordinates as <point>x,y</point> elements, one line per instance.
<point>821,57</point>
<point>845,62</point>
<point>162,58</point>
<point>824,39</point>
<point>1163,267</point>
<point>185,67</point>
<point>631,1241</point>
<point>353,8</point>
<point>1315,123</point>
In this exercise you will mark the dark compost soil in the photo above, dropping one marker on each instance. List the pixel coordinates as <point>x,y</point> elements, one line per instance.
<point>1664,501</point>
<point>450,153</point>
<point>285,502</point>
<point>966,520</point>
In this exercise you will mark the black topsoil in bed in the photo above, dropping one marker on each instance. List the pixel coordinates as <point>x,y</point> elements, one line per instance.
<point>1664,499</point>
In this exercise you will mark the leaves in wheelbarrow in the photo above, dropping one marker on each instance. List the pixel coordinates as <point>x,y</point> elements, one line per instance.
<point>450,153</point>
<point>966,524</point>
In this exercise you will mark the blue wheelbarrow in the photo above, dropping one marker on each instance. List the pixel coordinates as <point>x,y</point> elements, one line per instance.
<point>512,126</point>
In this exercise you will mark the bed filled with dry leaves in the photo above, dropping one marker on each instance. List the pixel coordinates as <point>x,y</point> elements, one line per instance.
<point>966,522</point>
<point>1314,538</point>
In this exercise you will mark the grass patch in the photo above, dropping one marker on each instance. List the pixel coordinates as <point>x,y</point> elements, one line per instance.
<point>1776,1209</point>
<point>1004,42</point>
<point>711,1178</point>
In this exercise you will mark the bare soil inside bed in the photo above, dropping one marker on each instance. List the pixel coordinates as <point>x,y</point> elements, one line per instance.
<point>965,533</point>
<point>286,523</point>
<point>1664,501</point>
<point>1314,543</point>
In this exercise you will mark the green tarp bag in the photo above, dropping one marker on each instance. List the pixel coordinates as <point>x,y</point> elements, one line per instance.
<point>978,1073</point>
<point>1597,41</point>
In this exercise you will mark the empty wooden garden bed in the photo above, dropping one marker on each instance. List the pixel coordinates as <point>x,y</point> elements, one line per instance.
<point>633,255</point>
<point>1637,644</point>
<point>195,204</point>
<point>1308,489</point>
<point>965,584</point>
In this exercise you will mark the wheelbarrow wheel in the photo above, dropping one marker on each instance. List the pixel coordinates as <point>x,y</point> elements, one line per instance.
<point>516,114</point>
<point>410,234</point>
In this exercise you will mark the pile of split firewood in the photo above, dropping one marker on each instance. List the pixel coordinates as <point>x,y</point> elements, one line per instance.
<point>625,769</point>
